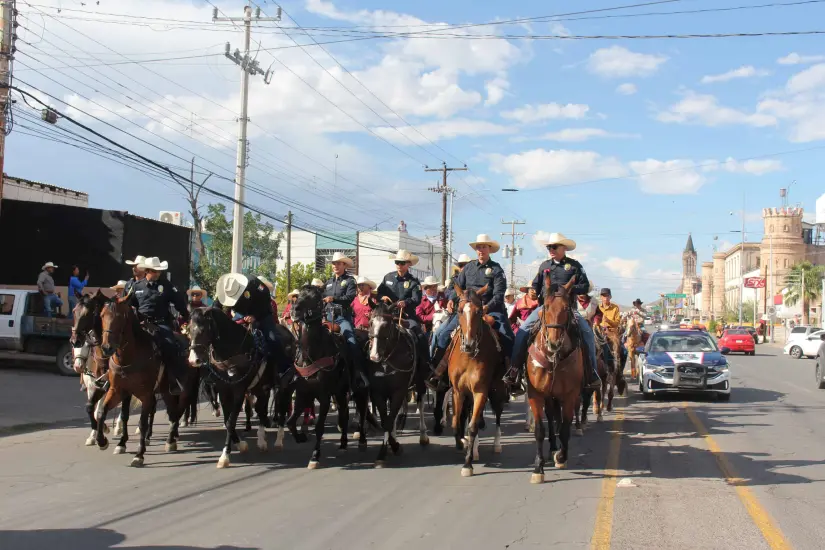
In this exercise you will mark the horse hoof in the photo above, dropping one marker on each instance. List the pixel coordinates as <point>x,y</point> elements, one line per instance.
<point>579,432</point>
<point>137,430</point>
<point>379,464</point>
<point>424,440</point>
<point>104,446</point>
<point>356,435</point>
<point>91,441</point>
<point>599,417</point>
<point>171,447</point>
<point>223,462</point>
<point>537,479</point>
<point>497,449</point>
<point>466,472</point>
<point>263,447</point>
<point>243,446</point>
<point>119,450</point>
<point>137,462</point>
<point>313,465</point>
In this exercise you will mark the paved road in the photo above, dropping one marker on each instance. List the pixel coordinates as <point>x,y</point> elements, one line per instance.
<point>690,474</point>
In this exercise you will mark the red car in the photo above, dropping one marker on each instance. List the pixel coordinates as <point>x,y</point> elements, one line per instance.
<point>737,339</point>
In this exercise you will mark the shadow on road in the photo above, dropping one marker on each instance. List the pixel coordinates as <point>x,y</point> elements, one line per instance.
<point>77,539</point>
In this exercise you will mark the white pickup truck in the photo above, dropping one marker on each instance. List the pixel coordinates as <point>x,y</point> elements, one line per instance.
<point>27,335</point>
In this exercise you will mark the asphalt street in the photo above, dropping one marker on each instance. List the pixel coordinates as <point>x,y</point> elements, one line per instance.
<point>677,473</point>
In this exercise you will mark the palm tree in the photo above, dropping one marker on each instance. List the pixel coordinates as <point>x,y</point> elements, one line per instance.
<point>807,276</point>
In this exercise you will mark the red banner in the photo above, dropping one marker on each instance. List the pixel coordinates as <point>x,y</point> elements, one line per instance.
<point>755,282</point>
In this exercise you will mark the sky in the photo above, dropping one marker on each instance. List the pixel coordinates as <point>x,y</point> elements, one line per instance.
<point>624,145</point>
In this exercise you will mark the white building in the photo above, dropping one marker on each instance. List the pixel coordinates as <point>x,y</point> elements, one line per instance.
<point>19,189</point>
<point>739,266</point>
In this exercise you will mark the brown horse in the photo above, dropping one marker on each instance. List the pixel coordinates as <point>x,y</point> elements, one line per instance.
<point>634,340</point>
<point>555,370</point>
<point>607,376</point>
<point>475,370</point>
<point>135,367</point>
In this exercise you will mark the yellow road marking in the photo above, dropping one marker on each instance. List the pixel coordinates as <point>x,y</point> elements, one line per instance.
<point>770,531</point>
<point>603,528</point>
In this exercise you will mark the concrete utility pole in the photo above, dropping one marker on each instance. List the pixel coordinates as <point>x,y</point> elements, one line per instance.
<point>248,67</point>
<point>289,251</point>
<point>444,190</point>
<point>7,26</point>
<point>770,284</point>
<point>512,234</point>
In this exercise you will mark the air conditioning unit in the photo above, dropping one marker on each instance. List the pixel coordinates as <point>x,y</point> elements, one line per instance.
<point>175,218</point>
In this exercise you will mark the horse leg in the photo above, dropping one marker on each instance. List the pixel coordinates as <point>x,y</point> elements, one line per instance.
<point>152,412</point>
<point>320,421</point>
<point>146,408</point>
<point>342,403</point>
<point>423,438</point>
<point>438,412</point>
<point>174,410</point>
<point>397,401</point>
<point>479,400</point>
<point>585,400</point>
<point>123,423</point>
<point>283,398</point>
<point>239,401</point>
<point>551,414</point>
<point>247,410</point>
<point>386,428</point>
<point>598,398</point>
<point>362,407</point>
<point>102,410</point>
<point>231,412</point>
<point>576,419</point>
<point>611,383</point>
<point>536,404</point>
<point>262,410</point>
<point>291,422</point>
<point>497,403</point>
<point>567,408</point>
<point>458,419</point>
<point>94,396</point>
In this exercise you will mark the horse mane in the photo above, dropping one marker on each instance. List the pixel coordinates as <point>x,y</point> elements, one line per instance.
<point>381,309</point>
<point>310,292</point>
<point>234,334</point>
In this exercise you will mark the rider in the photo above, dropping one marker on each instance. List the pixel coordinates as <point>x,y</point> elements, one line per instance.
<point>249,297</point>
<point>340,290</point>
<point>402,288</point>
<point>433,300</point>
<point>589,309</point>
<point>561,269</point>
<point>611,320</point>
<point>476,275</point>
<point>197,296</point>
<point>137,273</point>
<point>151,297</point>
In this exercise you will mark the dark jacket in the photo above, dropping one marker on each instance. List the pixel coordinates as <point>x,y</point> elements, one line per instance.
<point>407,288</point>
<point>343,290</point>
<point>560,274</point>
<point>475,276</point>
<point>255,300</point>
<point>152,300</point>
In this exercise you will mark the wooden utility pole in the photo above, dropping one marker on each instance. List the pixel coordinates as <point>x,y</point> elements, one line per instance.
<point>289,252</point>
<point>444,190</point>
<point>6,55</point>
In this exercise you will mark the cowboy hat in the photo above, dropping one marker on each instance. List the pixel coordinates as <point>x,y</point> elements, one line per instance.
<point>605,292</point>
<point>338,257</point>
<point>230,287</point>
<point>293,293</point>
<point>525,289</point>
<point>154,264</point>
<point>138,260</point>
<point>361,280</point>
<point>429,280</point>
<point>484,238</point>
<point>266,282</point>
<point>447,284</point>
<point>637,301</point>
<point>405,256</point>
<point>197,290</point>
<point>317,282</point>
<point>463,259</point>
<point>559,238</point>
<point>510,292</point>
<point>119,286</point>
<point>48,264</point>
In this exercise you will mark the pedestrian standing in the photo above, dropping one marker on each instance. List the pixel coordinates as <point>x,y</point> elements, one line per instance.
<point>76,287</point>
<point>45,284</point>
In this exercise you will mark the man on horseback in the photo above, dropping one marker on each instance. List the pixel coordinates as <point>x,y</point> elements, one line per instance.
<point>480,273</point>
<point>151,297</point>
<point>340,289</point>
<point>137,273</point>
<point>561,269</point>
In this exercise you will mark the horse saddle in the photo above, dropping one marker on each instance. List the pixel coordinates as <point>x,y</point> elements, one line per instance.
<point>334,328</point>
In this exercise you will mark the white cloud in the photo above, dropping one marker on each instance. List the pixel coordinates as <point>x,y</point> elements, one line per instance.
<point>542,168</point>
<point>443,129</point>
<point>754,167</point>
<point>619,62</point>
<point>547,111</point>
<point>558,29</point>
<point>801,104</point>
<point>581,134</point>
<point>628,88</point>
<point>704,109</point>
<point>796,59</point>
<point>496,89</point>
<point>540,242</point>
<point>745,71</point>
<point>622,267</point>
<point>669,177</point>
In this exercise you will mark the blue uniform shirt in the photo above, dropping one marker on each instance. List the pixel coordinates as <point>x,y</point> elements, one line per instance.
<point>397,288</point>
<point>152,300</point>
<point>475,276</point>
<point>560,274</point>
<point>342,289</point>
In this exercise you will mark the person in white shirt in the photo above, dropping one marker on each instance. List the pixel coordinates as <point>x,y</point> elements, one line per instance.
<point>510,300</point>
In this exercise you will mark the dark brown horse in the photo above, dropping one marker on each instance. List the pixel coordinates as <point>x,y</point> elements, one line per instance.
<point>475,369</point>
<point>555,369</point>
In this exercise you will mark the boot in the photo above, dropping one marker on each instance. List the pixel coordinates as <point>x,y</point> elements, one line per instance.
<point>360,382</point>
<point>513,380</point>
<point>434,382</point>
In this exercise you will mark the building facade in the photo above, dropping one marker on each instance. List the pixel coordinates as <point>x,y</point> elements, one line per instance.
<point>20,189</point>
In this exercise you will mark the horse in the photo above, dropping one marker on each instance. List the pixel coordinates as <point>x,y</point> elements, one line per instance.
<point>555,370</point>
<point>394,367</point>
<point>475,369</point>
<point>236,366</point>
<point>634,339</point>
<point>135,367</point>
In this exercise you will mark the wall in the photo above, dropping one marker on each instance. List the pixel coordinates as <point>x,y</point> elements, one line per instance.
<point>704,302</point>
<point>303,249</point>
<point>783,234</point>
<point>33,191</point>
<point>718,282</point>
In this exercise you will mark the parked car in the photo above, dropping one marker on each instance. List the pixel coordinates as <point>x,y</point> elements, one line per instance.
<point>820,367</point>
<point>807,346</point>
<point>751,331</point>
<point>739,340</point>
<point>801,332</point>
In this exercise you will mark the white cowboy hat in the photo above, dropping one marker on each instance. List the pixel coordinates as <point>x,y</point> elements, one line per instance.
<point>138,260</point>
<point>559,238</point>
<point>119,286</point>
<point>48,264</point>
<point>154,264</point>
<point>484,238</point>
<point>266,282</point>
<point>338,257</point>
<point>463,259</point>
<point>405,256</point>
<point>293,293</point>
<point>510,292</point>
<point>361,280</point>
<point>429,280</point>
<point>230,287</point>
<point>317,282</point>
<point>447,284</point>
<point>197,289</point>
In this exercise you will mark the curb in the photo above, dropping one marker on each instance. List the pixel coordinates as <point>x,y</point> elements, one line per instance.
<point>29,427</point>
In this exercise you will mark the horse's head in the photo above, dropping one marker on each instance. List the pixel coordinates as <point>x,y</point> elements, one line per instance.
<point>115,318</point>
<point>557,315</point>
<point>470,318</point>
<point>202,331</point>
<point>309,307</point>
<point>87,318</point>
<point>383,333</point>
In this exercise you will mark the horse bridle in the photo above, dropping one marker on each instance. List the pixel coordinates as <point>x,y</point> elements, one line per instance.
<point>383,358</point>
<point>565,330</point>
<point>464,349</point>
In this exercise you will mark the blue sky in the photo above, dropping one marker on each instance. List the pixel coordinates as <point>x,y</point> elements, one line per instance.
<point>623,145</point>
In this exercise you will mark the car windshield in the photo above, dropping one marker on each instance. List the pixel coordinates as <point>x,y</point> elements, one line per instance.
<point>739,331</point>
<point>682,342</point>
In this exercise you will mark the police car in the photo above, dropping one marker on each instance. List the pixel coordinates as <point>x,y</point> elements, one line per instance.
<point>685,360</point>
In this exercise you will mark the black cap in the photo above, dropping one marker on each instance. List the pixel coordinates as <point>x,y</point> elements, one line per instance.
<point>637,301</point>
<point>605,292</point>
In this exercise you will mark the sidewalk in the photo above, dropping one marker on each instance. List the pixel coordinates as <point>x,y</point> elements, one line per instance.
<point>33,398</point>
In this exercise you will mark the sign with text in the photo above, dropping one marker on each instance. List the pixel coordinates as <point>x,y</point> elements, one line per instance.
<point>755,282</point>
<point>675,295</point>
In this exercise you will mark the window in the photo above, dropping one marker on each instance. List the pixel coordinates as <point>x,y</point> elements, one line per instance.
<point>786,262</point>
<point>771,229</point>
<point>785,228</point>
<point>6,304</point>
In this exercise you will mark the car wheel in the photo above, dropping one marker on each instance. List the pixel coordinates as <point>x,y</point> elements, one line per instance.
<point>795,352</point>
<point>820,383</point>
<point>648,396</point>
<point>64,360</point>
<point>723,396</point>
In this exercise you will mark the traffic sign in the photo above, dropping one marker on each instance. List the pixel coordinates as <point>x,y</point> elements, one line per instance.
<point>675,295</point>
<point>755,282</point>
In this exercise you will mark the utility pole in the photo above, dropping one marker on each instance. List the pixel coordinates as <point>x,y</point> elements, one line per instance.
<point>444,190</point>
<point>770,284</point>
<point>289,251</point>
<point>513,252</point>
<point>7,49</point>
<point>248,67</point>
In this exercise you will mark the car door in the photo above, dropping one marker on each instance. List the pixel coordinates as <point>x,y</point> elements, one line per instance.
<point>10,305</point>
<point>810,346</point>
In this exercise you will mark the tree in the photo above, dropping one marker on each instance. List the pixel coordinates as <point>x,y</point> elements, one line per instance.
<point>302,274</point>
<point>804,282</point>
<point>260,251</point>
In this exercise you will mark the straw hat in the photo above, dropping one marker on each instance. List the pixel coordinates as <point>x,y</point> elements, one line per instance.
<point>317,282</point>
<point>119,286</point>
<point>484,238</point>
<point>293,293</point>
<point>48,264</point>
<point>154,264</point>
<point>266,282</point>
<point>429,280</point>
<point>510,292</point>
<point>230,288</point>
<point>405,256</point>
<point>463,259</point>
<point>137,261</point>
<point>361,280</point>
<point>559,238</point>
<point>525,289</point>
<point>338,257</point>
<point>197,290</point>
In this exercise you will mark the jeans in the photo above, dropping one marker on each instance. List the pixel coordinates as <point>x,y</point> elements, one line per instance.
<point>72,304</point>
<point>170,352</point>
<point>525,332</point>
<point>502,325</point>
<point>273,344</point>
<point>50,302</point>
<point>437,333</point>
<point>347,331</point>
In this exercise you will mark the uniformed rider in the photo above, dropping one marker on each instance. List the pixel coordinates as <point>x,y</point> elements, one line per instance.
<point>402,288</point>
<point>137,273</point>
<point>476,275</point>
<point>561,269</point>
<point>340,289</point>
<point>151,297</point>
